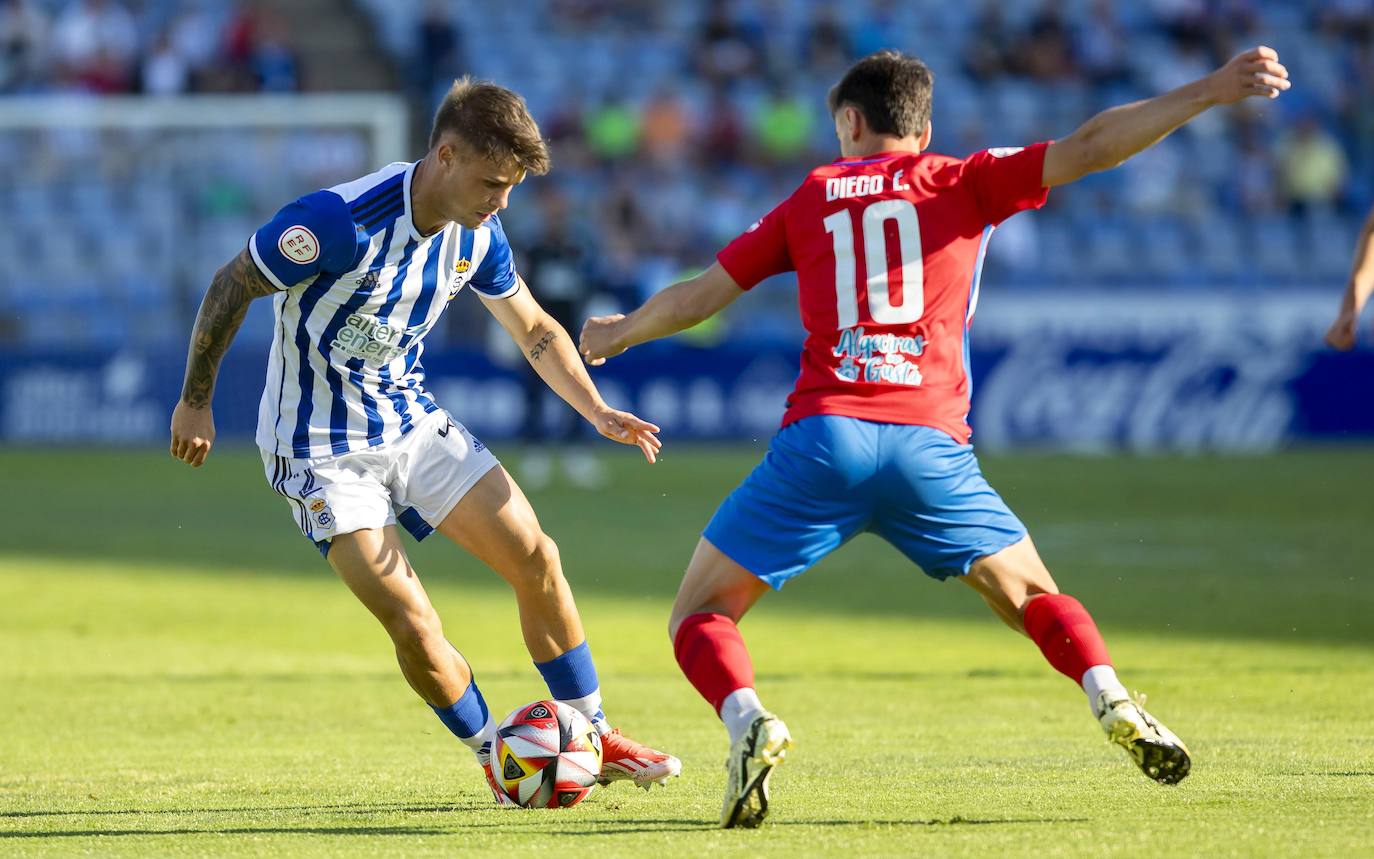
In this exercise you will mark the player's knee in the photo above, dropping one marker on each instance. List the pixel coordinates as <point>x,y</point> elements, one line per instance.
<point>539,569</point>
<point>416,633</point>
<point>675,623</point>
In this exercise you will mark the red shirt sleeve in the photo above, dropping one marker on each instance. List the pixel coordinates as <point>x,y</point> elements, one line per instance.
<point>1007,180</point>
<point>759,252</point>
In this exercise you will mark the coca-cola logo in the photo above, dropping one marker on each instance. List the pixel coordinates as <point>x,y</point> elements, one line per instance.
<point>1214,380</point>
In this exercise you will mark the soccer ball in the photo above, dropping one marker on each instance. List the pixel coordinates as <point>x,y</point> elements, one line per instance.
<point>546,755</point>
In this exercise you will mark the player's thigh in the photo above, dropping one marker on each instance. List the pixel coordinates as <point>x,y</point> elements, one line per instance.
<point>937,508</point>
<point>805,499</point>
<point>714,583</point>
<point>496,524</point>
<point>372,562</point>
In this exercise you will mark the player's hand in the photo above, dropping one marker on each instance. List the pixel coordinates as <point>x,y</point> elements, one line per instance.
<point>193,433</point>
<point>1341,334</point>
<point>628,429</point>
<point>598,340</point>
<point>1257,72</point>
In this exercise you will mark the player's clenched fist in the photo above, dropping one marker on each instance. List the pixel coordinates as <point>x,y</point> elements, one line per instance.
<point>1257,72</point>
<point>193,433</point>
<point>599,339</point>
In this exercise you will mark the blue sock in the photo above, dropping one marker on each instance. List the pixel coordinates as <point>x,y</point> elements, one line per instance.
<point>571,678</point>
<point>468,717</point>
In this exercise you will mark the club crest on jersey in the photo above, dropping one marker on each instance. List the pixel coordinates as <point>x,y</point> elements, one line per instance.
<point>318,505</point>
<point>460,269</point>
<point>299,245</point>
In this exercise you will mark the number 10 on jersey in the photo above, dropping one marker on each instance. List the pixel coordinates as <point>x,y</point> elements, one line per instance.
<point>873,225</point>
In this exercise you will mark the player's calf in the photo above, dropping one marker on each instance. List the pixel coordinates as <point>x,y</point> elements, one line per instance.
<point>1071,642</point>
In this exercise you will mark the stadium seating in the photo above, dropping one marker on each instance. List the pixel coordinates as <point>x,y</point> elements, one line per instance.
<point>142,228</point>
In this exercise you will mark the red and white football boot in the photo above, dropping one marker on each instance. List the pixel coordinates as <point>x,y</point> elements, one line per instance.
<point>623,759</point>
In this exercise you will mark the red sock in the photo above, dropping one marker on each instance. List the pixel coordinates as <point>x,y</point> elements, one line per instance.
<point>713,656</point>
<point>1066,634</point>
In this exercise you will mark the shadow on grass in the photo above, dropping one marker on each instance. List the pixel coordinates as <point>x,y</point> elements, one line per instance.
<point>240,830</point>
<point>600,828</point>
<point>694,826</point>
<point>327,807</point>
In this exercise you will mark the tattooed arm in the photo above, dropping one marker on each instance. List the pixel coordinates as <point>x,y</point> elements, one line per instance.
<point>221,313</point>
<point>553,356</point>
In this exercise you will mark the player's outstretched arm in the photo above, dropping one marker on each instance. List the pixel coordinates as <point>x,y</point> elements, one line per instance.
<point>553,356</point>
<point>221,313</point>
<point>1114,135</point>
<point>675,309</point>
<point>1357,291</point>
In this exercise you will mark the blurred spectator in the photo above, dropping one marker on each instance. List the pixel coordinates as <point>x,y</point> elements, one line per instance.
<point>986,54</point>
<point>1046,54</point>
<point>439,54</point>
<point>826,49</point>
<point>1254,184</point>
<point>666,128</point>
<point>613,130</point>
<point>1312,168</point>
<point>557,265</point>
<point>725,50</point>
<point>165,70</point>
<point>722,133</point>
<point>783,124</point>
<point>257,52</point>
<point>272,61</point>
<point>95,41</point>
<point>23,33</point>
<point>1101,45</point>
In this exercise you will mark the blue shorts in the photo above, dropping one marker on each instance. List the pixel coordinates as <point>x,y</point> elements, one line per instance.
<point>826,478</point>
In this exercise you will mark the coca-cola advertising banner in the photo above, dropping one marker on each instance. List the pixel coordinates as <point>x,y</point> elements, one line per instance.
<point>1169,371</point>
<point>1098,372</point>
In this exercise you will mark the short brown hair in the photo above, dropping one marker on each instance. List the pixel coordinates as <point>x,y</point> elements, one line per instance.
<point>494,121</point>
<point>890,89</point>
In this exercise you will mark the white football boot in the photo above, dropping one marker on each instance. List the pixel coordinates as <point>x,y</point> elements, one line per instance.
<point>1155,749</point>
<point>751,761</point>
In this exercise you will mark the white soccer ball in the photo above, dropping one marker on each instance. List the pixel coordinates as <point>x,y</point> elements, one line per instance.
<point>546,755</point>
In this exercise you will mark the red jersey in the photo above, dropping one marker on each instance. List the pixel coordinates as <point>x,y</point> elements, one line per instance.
<point>888,251</point>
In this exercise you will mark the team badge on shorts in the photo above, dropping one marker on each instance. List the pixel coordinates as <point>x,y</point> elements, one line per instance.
<point>320,508</point>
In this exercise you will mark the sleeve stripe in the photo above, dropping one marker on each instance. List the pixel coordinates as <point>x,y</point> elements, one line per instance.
<point>262,266</point>
<point>507,294</point>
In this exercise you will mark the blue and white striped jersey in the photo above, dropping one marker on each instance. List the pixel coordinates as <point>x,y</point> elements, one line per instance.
<point>360,287</point>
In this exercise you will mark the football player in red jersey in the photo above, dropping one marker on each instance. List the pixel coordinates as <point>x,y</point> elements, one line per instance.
<point>887,243</point>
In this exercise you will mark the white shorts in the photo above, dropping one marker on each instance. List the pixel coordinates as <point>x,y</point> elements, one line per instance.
<point>415,480</point>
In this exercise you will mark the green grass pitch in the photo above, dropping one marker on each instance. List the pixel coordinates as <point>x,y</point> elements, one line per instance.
<point>180,674</point>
